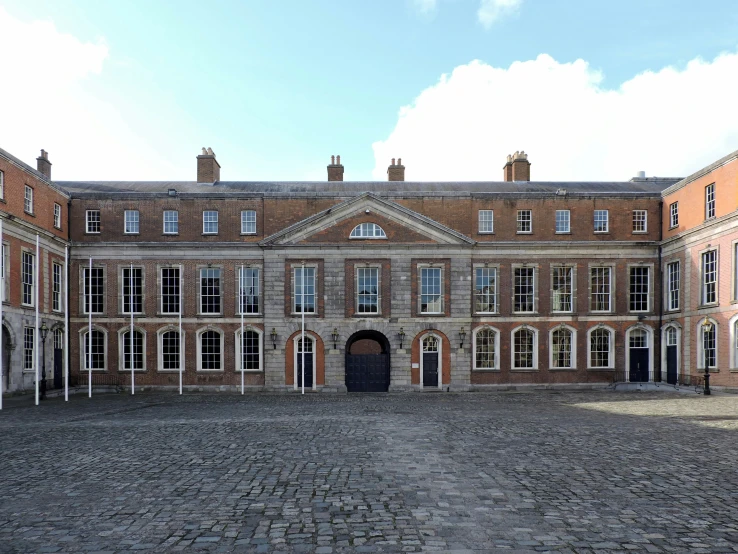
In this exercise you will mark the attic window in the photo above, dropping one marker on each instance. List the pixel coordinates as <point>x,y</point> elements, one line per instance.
<point>368,231</point>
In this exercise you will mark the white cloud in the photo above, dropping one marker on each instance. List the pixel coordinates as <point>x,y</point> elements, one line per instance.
<point>668,123</point>
<point>491,10</point>
<point>425,7</point>
<point>47,104</point>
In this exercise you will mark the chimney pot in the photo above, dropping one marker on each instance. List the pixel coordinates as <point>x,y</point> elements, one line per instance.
<point>396,172</point>
<point>338,159</point>
<point>43,165</point>
<point>335,170</point>
<point>333,160</point>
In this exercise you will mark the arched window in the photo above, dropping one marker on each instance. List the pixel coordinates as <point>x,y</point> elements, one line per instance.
<point>368,231</point>
<point>248,350</point>
<point>139,347</point>
<point>563,348</point>
<point>707,350</point>
<point>486,348</point>
<point>525,346</point>
<point>601,345</point>
<point>94,351</point>
<point>211,350</point>
<point>170,355</point>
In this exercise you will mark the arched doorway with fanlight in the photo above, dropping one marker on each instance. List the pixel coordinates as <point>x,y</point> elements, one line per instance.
<point>639,361</point>
<point>367,362</point>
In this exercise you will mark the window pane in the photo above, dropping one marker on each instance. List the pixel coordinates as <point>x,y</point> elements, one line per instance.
<point>524,221</point>
<point>132,290</point>
<point>600,221</point>
<point>523,354</point>
<point>672,271</point>
<point>430,290</point>
<point>210,222</point>
<point>94,297</point>
<point>170,294</point>
<point>523,293</point>
<point>486,289</point>
<point>170,350</point>
<point>561,348</point>
<point>639,283</point>
<point>485,354</point>
<point>248,290</point>
<point>27,278</point>
<point>210,350</point>
<point>248,222</point>
<point>131,221</point>
<point>486,221</point>
<point>304,295</point>
<point>210,290</point>
<point>367,290</point>
<point>250,351</point>
<point>600,285</point>
<point>171,222</point>
<point>600,348</point>
<point>709,277</point>
<point>562,221</point>
<point>97,346</point>
<point>137,350</point>
<point>562,284</point>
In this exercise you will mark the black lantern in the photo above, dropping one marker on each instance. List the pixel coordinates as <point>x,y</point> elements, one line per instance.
<point>334,336</point>
<point>401,336</point>
<point>462,336</point>
<point>273,334</point>
<point>707,327</point>
<point>44,330</point>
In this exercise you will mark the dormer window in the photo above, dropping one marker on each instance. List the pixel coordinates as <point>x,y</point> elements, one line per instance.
<point>368,231</point>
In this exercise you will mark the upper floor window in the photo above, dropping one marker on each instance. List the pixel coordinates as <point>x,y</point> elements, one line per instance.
<point>367,290</point>
<point>674,214</point>
<point>601,221</point>
<point>639,285</point>
<point>601,289</point>
<point>171,300</point>
<point>210,290</point>
<point>368,231</point>
<point>248,290</point>
<point>525,221</point>
<point>523,289</point>
<point>28,200</point>
<point>4,273</point>
<point>92,218</point>
<point>485,290</point>
<point>56,288</point>
<point>248,222</point>
<point>561,287</point>
<point>131,222</point>
<point>562,221</point>
<point>94,290</point>
<point>672,285</point>
<point>640,221</point>
<point>710,201</point>
<point>57,215</point>
<point>171,222</point>
<point>2,185</point>
<point>27,280</point>
<point>709,277</point>
<point>486,221</point>
<point>210,222</point>
<point>132,290</point>
<point>431,290</point>
<point>303,290</point>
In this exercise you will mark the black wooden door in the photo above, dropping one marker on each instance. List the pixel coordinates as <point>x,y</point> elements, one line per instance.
<point>58,374</point>
<point>430,369</point>
<point>639,365</point>
<point>367,372</point>
<point>671,364</point>
<point>308,370</point>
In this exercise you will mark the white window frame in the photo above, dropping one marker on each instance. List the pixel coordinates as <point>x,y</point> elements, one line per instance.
<point>83,352</point>
<point>674,215</point>
<point>248,222</point>
<point>701,344</point>
<point>703,277</point>
<point>161,288</point>
<point>200,296</point>
<point>57,215</point>
<point>710,201</point>
<point>296,269</point>
<point>160,348</point>
<point>24,283</point>
<point>521,221</point>
<point>357,270</point>
<point>29,332</point>
<point>611,293</point>
<point>239,308</point>
<point>56,293</point>
<point>131,221</point>
<point>670,272</point>
<point>636,213</point>
<point>89,221</point>
<point>122,343</point>
<point>125,305</point>
<point>562,220</point>
<point>237,346</point>
<point>442,285</point>
<point>606,221</point>
<point>169,221</point>
<point>649,271</point>
<point>534,269</point>
<point>496,304</point>
<point>496,344</point>
<point>367,230</point>
<point>733,344</point>
<point>535,348</point>
<point>28,200</point>
<point>200,333</point>
<point>573,353</point>
<point>4,274</point>
<point>611,347</point>
<point>572,289</point>
<point>207,219</point>
<point>84,298</point>
<point>2,185</point>
<point>486,222</point>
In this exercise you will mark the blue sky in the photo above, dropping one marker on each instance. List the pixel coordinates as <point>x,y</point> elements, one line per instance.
<point>276,87</point>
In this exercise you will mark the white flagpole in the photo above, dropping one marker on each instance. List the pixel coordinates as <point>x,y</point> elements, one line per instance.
<point>240,296</point>
<point>2,297</point>
<point>180,329</point>
<point>302,311</point>
<point>38,298</point>
<point>130,284</point>
<point>89,331</point>
<point>66,324</point>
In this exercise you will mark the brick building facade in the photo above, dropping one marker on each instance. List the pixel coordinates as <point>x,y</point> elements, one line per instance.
<point>404,285</point>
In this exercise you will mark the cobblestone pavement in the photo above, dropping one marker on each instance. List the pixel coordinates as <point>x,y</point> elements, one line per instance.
<point>519,472</point>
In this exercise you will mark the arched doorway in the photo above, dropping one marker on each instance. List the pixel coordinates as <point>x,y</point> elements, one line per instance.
<point>671,354</point>
<point>367,362</point>
<point>309,350</point>
<point>638,355</point>
<point>429,361</point>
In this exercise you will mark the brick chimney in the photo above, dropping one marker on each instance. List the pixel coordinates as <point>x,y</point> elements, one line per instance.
<point>335,169</point>
<point>208,168</point>
<point>396,172</point>
<point>43,164</point>
<point>507,169</point>
<point>520,166</point>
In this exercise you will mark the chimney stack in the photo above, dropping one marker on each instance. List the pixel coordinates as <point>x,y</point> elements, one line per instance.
<point>517,167</point>
<point>43,164</point>
<point>208,168</point>
<point>335,169</point>
<point>396,172</point>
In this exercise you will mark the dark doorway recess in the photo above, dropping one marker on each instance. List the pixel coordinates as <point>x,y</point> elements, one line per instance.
<point>367,362</point>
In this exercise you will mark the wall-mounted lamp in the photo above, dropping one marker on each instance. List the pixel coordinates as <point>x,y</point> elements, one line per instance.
<point>273,334</point>
<point>462,336</point>
<point>334,336</point>
<point>401,336</point>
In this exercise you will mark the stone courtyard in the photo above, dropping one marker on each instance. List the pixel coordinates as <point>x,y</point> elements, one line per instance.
<point>510,471</point>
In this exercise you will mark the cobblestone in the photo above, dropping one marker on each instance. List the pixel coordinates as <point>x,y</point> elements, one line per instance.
<point>510,472</point>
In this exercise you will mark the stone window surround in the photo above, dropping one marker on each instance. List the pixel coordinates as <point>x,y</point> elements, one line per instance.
<point>83,357</point>
<point>612,267</point>
<point>160,347</point>
<point>611,355</point>
<point>237,349</point>
<point>198,336</point>
<point>83,300</point>
<point>650,301</point>
<point>573,332</point>
<point>534,330</point>
<point>121,349</point>
<point>536,274</point>
<point>479,264</point>
<point>496,361</point>
<point>573,268</point>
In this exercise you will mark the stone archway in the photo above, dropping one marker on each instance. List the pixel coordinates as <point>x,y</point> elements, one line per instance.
<point>367,362</point>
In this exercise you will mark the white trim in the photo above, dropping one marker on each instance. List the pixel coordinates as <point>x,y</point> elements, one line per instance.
<point>442,268</point>
<point>664,372</point>
<point>518,221</point>
<point>121,348</point>
<point>242,222</point>
<point>293,285</point>
<point>216,221</point>
<point>125,222</point>
<point>160,347</point>
<point>198,337</point>
<point>378,268</point>
<point>313,337</point>
<point>607,221</point>
<point>496,360</point>
<point>568,222</point>
<point>237,349</point>
<point>357,232</point>
<point>667,284</point>
<point>83,359</point>
<point>87,222</point>
<point>164,222</point>
<point>490,221</point>
<point>733,342</point>
<point>439,338</point>
<point>496,306</point>
<point>526,327</point>
<point>702,283</point>
<point>514,267</point>
<point>650,336</point>
<point>645,222</point>
<point>701,343</point>
<point>611,354</point>
<point>573,332</point>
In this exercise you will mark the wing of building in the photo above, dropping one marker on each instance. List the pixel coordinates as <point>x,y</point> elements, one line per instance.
<point>401,285</point>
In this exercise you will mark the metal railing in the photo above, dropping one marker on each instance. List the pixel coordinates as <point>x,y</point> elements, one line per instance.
<point>696,380</point>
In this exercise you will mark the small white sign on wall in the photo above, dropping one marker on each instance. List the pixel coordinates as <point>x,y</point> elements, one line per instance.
<point>416,365</point>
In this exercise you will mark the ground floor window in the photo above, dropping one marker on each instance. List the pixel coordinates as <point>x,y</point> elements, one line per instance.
<point>138,350</point>
<point>94,350</point>
<point>211,356</point>
<point>170,355</point>
<point>28,343</point>
<point>249,347</point>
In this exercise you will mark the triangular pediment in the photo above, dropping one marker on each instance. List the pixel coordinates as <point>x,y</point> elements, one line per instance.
<point>334,225</point>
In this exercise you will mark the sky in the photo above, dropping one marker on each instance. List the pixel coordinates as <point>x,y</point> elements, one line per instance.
<point>590,90</point>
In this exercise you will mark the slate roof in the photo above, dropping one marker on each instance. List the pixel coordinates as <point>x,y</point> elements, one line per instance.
<point>635,187</point>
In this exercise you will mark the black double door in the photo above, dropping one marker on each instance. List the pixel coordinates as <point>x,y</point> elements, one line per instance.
<point>367,372</point>
<point>639,365</point>
<point>308,370</point>
<point>58,364</point>
<point>430,369</point>
<point>671,364</point>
